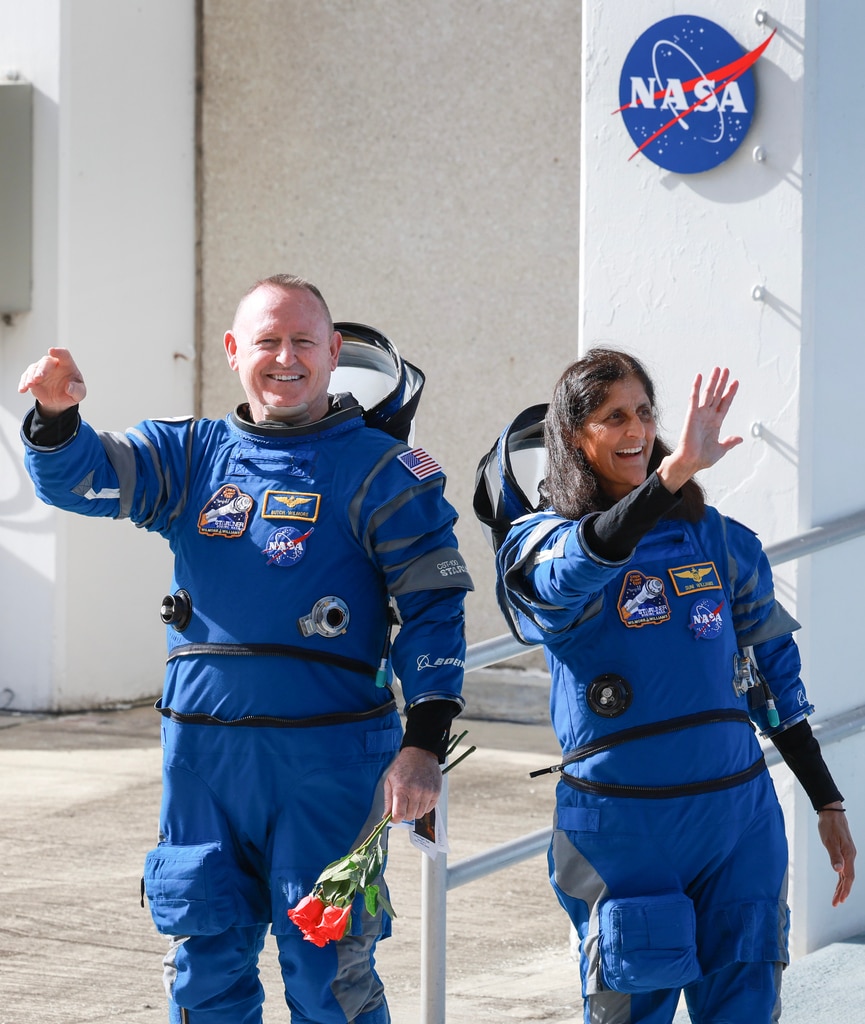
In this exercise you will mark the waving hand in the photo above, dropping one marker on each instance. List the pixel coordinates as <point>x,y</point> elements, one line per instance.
<point>54,381</point>
<point>700,444</point>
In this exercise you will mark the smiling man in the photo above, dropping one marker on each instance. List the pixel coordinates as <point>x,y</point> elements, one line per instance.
<point>300,537</point>
<point>283,347</point>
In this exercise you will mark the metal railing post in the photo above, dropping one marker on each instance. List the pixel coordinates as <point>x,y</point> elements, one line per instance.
<point>433,939</point>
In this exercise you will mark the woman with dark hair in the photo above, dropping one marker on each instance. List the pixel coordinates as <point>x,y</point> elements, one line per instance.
<point>666,646</point>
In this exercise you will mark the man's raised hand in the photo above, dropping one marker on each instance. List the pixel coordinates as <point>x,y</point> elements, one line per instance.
<point>54,381</point>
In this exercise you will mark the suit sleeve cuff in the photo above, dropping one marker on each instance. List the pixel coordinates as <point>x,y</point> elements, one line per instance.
<point>428,724</point>
<point>801,752</point>
<point>43,431</point>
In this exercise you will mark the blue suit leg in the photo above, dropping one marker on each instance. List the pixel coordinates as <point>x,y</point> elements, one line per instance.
<point>336,983</point>
<point>345,965</point>
<point>214,978</point>
<point>643,1008</point>
<point>740,992</point>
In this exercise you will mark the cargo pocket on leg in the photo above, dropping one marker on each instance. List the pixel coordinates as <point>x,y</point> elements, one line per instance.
<point>648,943</point>
<point>190,889</point>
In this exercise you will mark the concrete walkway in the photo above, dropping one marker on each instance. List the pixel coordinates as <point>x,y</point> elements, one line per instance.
<point>80,807</point>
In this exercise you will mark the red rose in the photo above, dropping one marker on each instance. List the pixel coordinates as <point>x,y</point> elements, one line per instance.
<point>319,921</point>
<point>307,914</point>
<point>334,922</point>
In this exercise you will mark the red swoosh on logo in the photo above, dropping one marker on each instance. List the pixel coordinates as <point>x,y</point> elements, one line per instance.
<point>730,73</point>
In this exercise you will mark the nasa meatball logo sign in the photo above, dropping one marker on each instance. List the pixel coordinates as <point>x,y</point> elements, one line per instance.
<point>687,94</point>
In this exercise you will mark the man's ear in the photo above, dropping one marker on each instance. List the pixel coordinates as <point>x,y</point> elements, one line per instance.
<point>335,346</point>
<point>230,343</point>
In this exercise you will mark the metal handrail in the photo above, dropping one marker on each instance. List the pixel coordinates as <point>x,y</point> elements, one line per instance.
<point>437,878</point>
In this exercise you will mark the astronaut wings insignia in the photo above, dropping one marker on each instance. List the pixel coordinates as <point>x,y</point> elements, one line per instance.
<point>694,573</point>
<point>700,576</point>
<point>291,505</point>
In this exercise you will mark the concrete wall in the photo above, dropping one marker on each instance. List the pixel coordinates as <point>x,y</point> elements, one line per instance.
<point>669,269</point>
<point>420,162</point>
<point>114,281</point>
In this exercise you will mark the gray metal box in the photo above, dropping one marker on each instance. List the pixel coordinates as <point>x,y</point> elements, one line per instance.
<point>16,194</point>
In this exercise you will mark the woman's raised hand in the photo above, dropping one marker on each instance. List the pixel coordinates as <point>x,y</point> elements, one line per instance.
<point>700,444</point>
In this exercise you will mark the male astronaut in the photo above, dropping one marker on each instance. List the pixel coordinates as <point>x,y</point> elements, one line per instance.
<point>292,525</point>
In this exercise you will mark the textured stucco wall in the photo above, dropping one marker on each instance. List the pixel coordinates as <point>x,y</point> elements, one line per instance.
<point>420,162</point>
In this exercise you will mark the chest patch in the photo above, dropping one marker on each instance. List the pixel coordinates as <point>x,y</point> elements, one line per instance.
<point>226,514</point>
<point>706,619</point>
<point>291,505</point>
<point>286,546</point>
<point>687,579</point>
<point>642,601</point>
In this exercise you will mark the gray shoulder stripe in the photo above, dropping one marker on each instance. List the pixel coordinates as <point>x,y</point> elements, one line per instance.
<point>119,451</point>
<point>155,500</point>
<point>360,494</point>
<point>382,514</point>
<point>778,623</point>
<point>529,556</point>
<point>180,504</point>
<point>400,544</point>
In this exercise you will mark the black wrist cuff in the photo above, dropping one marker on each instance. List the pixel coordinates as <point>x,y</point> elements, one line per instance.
<point>51,431</point>
<point>801,751</point>
<point>428,724</point>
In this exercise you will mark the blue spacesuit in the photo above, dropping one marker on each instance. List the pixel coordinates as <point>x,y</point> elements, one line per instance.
<point>668,851</point>
<point>292,546</point>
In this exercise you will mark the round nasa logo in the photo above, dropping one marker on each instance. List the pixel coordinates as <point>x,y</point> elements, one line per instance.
<point>285,546</point>
<point>706,622</point>
<point>687,94</point>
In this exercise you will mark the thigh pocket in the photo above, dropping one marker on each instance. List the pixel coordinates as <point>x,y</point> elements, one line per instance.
<point>190,889</point>
<point>648,942</point>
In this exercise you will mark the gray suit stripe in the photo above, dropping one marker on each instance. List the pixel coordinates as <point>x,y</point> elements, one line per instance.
<point>121,455</point>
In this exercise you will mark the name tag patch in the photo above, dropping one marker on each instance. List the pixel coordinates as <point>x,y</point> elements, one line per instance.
<point>687,579</point>
<point>291,505</point>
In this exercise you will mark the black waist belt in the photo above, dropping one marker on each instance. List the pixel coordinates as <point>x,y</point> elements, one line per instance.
<point>274,722</point>
<point>640,732</point>
<point>668,792</point>
<point>278,651</point>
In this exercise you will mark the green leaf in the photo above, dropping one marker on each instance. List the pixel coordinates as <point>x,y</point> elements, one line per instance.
<point>370,899</point>
<point>384,902</point>
<point>373,866</point>
<point>340,871</point>
<point>338,894</point>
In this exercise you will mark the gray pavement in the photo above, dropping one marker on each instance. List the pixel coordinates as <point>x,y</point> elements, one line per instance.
<point>80,806</point>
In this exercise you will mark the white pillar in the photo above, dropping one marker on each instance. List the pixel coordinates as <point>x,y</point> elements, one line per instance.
<point>114,281</point>
<point>754,264</point>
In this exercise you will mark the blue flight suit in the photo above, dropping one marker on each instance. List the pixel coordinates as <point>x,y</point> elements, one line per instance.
<point>278,720</point>
<point>668,851</point>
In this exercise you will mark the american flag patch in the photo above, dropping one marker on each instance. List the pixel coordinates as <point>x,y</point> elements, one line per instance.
<point>418,462</point>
